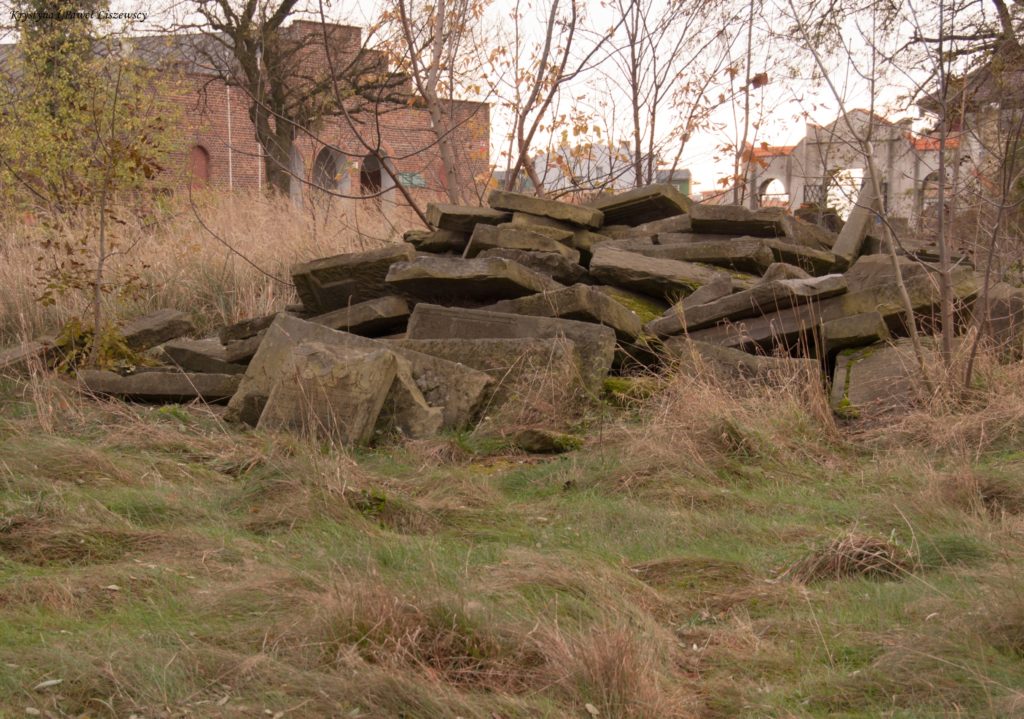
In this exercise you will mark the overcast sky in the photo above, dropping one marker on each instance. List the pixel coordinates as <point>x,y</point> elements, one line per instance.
<point>787,99</point>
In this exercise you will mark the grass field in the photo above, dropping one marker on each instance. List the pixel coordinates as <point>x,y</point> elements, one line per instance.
<point>716,550</point>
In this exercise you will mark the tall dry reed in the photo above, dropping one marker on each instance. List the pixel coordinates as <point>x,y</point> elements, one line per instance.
<point>222,257</point>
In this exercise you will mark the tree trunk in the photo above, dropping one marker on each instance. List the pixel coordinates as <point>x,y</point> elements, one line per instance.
<point>444,145</point>
<point>276,141</point>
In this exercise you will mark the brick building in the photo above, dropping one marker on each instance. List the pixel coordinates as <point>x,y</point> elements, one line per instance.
<point>218,139</point>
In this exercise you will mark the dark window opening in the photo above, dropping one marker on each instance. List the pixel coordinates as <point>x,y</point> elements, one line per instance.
<point>370,176</point>
<point>199,166</point>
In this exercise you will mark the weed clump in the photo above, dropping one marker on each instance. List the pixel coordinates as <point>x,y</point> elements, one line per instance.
<point>853,555</point>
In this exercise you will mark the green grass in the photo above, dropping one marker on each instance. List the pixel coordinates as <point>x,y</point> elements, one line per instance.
<point>160,563</point>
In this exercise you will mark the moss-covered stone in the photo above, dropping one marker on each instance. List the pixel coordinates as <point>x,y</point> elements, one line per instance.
<point>623,391</point>
<point>644,307</point>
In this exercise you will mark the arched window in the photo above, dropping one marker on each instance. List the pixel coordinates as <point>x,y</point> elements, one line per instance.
<point>370,176</point>
<point>199,166</point>
<point>330,171</point>
<point>376,182</point>
<point>772,193</point>
<point>297,168</point>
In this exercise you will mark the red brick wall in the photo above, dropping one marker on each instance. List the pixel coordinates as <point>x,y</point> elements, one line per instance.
<point>205,104</point>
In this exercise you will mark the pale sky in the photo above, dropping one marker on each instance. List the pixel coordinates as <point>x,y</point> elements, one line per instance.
<point>784,125</point>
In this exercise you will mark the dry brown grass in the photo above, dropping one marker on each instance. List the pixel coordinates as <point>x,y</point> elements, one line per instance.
<point>979,493</point>
<point>853,555</point>
<point>244,273</point>
<point>537,390</point>
<point>699,421</point>
<point>966,421</point>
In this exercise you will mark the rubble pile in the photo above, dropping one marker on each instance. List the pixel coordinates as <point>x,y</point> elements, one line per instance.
<point>419,337</point>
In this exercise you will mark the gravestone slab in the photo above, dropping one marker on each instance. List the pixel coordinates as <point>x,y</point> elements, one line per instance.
<point>578,215</point>
<point>480,278</point>
<point>331,283</point>
<point>160,387</point>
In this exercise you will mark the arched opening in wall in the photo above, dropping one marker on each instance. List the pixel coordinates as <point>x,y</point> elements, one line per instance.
<point>373,181</point>
<point>199,167</point>
<point>330,171</point>
<point>297,169</point>
<point>843,187</point>
<point>772,193</point>
<point>370,177</point>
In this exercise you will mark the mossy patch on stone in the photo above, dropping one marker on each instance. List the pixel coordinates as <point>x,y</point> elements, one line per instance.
<point>628,390</point>
<point>646,308</point>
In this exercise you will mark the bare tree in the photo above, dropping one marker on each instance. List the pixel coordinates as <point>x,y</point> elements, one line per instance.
<point>438,46</point>
<point>669,59</point>
<point>278,61</point>
<point>530,73</point>
<point>945,36</point>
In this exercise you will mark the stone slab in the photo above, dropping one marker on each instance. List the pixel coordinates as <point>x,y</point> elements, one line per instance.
<point>552,265</point>
<point>693,356</point>
<point>579,302</point>
<point>722,287</point>
<point>658,277</point>
<point>245,329</point>
<point>458,218</point>
<point>861,221</point>
<point>585,241</point>
<point>642,204</point>
<point>562,211</point>
<point>160,387</point>
<point>512,237</point>
<point>331,283</point>
<point>525,218</point>
<point>331,392</point>
<point>146,332</point>
<point>817,262</point>
<point>764,298</point>
<point>876,271</point>
<point>784,271</point>
<point>459,390</point>
<point>438,241</point>
<point>559,234</point>
<point>242,351</point>
<point>640,241</point>
<point>1002,314</point>
<point>372,318</point>
<point>512,364</point>
<point>679,224</point>
<point>746,254</point>
<point>880,379</point>
<point>858,330</point>
<point>405,408</point>
<point>795,325</point>
<point>645,307</point>
<point>735,220</point>
<point>205,355</point>
<point>480,278</point>
<point>808,234</point>
<point>594,343</point>
<point>26,357</point>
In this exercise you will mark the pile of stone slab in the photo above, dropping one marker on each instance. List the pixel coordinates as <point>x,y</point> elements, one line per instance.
<point>422,336</point>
